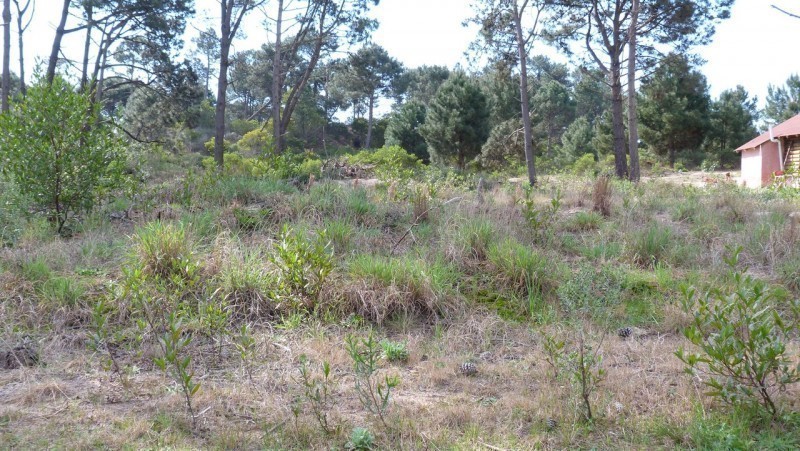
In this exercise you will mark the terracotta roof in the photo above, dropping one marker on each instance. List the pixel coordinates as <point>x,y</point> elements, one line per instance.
<point>788,128</point>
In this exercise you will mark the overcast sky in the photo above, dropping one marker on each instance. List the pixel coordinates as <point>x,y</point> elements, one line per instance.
<point>755,47</point>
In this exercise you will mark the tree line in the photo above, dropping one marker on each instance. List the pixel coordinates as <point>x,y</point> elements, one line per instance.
<point>317,63</point>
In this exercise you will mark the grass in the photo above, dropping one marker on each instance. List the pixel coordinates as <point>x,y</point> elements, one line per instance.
<point>468,284</point>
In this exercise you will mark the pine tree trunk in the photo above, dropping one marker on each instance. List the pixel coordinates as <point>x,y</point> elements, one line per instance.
<point>56,49</point>
<point>86,47</point>
<point>277,135</point>
<point>633,119</point>
<point>6,88</point>
<point>524,98</point>
<point>20,31</point>
<point>222,84</point>
<point>617,116</point>
<point>369,122</point>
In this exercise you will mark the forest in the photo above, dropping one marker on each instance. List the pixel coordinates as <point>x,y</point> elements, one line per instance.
<point>306,244</point>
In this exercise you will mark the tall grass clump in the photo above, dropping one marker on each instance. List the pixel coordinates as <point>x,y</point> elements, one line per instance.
<point>472,239</point>
<point>520,268</point>
<point>383,286</point>
<point>164,250</point>
<point>652,245</point>
<point>601,196</point>
<point>247,285</point>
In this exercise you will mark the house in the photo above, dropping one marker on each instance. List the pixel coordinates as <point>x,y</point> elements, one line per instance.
<point>775,152</point>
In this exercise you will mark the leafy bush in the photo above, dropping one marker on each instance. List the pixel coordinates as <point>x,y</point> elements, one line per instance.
<point>585,165</point>
<point>742,338</point>
<point>59,151</point>
<point>258,141</point>
<point>303,265</point>
<point>391,162</point>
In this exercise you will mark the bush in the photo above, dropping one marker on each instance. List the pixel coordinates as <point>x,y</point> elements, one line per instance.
<point>585,165</point>
<point>742,338</point>
<point>59,152</point>
<point>391,163</point>
<point>258,141</point>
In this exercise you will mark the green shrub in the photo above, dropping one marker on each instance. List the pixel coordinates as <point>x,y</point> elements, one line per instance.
<point>591,290</point>
<point>258,140</point>
<point>742,336</point>
<point>585,165</point>
<point>391,162</point>
<point>303,265</point>
<point>60,152</point>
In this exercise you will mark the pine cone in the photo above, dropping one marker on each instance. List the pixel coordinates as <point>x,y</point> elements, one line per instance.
<point>468,369</point>
<point>625,332</point>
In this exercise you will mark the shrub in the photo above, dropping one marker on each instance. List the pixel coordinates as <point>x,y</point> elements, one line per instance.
<point>585,165</point>
<point>361,439</point>
<point>258,140</point>
<point>391,162</point>
<point>742,338</point>
<point>303,265</point>
<point>59,151</point>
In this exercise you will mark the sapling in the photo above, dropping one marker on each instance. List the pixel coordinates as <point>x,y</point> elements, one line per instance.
<point>176,363</point>
<point>373,392</point>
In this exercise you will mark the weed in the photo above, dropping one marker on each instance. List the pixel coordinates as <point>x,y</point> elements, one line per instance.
<point>585,371</point>
<point>539,219</point>
<point>373,392</point>
<point>652,245</point>
<point>554,350</point>
<point>245,345</point>
<point>62,291</point>
<point>395,351</point>
<point>590,291</point>
<point>521,267</point>
<point>318,391</point>
<point>583,221</point>
<point>361,439</point>
<point>176,362</point>
<point>163,250</point>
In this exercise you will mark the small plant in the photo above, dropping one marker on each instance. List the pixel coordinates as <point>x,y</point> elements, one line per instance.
<point>214,318</point>
<point>742,339</point>
<point>420,201</point>
<point>373,392</point>
<point>539,219</point>
<point>585,372</point>
<point>245,344</point>
<point>100,337</point>
<point>318,391</point>
<point>395,351</point>
<point>653,245</point>
<point>554,349</point>
<point>302,265</point>
<point>361,439</point>
<point>174,361</point>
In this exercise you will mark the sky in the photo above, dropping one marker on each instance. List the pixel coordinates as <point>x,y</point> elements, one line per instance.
<point>756,47</point>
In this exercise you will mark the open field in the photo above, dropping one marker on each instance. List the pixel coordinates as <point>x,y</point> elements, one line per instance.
<point>490,277</point>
